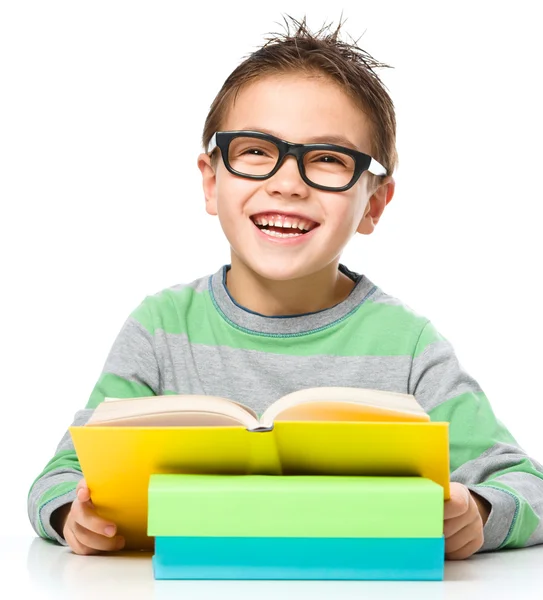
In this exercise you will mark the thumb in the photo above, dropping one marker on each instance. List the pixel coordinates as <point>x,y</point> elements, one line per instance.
<point>82,491</point>
<point>458,503</point>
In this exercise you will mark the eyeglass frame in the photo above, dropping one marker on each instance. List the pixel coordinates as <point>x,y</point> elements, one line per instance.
<point>363,162</point>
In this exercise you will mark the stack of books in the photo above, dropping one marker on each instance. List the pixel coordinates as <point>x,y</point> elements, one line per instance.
<point>296,527</point>
<point>328,483</point>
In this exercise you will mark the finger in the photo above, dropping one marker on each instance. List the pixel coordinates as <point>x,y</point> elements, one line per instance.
<point>86,516</point>
<point>464,537</point>
<point>98,542</point>
<point>82,492</point>
<point>82,485</point>
<point>75,544</point>
<point>452,526</point>
<point>466,551</point>
<point>458,503</point>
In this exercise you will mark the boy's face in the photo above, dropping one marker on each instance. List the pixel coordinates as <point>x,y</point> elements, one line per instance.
<point>298,109</point>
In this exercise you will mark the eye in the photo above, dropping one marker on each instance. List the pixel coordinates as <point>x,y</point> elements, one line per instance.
<point>254,152</point>
<point>330,159</point>
<point>248,148</point>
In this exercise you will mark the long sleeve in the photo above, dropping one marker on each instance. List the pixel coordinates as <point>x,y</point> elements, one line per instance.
<point>484,456</point>
<point>131,370</point>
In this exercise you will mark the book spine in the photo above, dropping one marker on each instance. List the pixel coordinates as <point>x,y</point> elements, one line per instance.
<point>260,429</point>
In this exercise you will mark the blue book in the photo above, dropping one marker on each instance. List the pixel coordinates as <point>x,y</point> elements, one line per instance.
<point>404,559</point>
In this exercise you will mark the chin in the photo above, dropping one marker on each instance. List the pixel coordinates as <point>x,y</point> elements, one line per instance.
<point>280,271</point>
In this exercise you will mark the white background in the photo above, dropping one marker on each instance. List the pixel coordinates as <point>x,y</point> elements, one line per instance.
<point>102,106</point>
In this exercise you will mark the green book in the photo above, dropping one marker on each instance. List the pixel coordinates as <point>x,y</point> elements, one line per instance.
<point>294,506</point>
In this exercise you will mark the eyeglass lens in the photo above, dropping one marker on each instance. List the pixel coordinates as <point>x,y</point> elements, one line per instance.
<point>254,156</point>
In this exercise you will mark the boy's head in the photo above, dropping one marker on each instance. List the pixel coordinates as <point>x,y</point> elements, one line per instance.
<point>300,88</point>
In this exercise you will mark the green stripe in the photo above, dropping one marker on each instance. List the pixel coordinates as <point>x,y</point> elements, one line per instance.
<point>388,330</point>
<point>58,490</point>
<point>473,427</point>
<point>64,459</point>
<point>114,386</point>
<point>429,335</point>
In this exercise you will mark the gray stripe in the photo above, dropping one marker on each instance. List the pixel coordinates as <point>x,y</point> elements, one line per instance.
<point>498,457</point>
<point>500,518</point>
<point>80,418</point>
<point>381,297</point>
<point>439,376</point>
<point>259,378</point>
<point>530,487</point>
<point>198,285</point>
<point>132,356</point>
<point>50,480</point>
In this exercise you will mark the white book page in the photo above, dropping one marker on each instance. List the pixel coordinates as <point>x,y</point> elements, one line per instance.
<point>160,409</point>
<point>173,419</point>
<point>378,401</point>
<point>194,396</point>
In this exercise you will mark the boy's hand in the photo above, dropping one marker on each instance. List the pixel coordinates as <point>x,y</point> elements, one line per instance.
<point>464,517</point>
<point>86,532</point>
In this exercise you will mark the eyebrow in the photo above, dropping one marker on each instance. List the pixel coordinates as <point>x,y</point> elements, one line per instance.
<point>316,139</point>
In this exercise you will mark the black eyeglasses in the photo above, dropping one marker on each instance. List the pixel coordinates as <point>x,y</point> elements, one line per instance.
<point>257,155</point>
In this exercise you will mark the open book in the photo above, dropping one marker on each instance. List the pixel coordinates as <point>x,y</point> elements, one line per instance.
<point>310,404</point>
<point>313,431</point>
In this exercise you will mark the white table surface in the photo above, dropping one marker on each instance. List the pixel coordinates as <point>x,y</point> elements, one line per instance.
<point>33,568</point>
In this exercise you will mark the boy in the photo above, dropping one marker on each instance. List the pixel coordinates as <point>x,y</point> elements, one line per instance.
<point>300,151</point>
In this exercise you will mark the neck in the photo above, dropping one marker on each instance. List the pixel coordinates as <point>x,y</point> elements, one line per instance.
<point>268,297</point>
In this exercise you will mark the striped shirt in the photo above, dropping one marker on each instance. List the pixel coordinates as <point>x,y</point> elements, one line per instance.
<point>195,339</point>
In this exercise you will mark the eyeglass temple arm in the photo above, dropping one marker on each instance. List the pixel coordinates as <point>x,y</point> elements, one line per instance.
<point>212,143</point>
<point>376,168</point>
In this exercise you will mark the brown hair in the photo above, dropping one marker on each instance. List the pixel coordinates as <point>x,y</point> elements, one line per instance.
<point>317,53</point>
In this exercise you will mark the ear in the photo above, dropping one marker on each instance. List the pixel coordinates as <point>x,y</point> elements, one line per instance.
<point>376,205</point>
<point>208,182</point>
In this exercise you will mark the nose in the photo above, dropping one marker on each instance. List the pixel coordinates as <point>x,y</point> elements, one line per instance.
<point>287,181</point>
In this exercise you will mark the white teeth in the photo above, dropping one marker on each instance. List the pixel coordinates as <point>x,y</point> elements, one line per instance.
<point>284,222</point>
<point>280,235</point>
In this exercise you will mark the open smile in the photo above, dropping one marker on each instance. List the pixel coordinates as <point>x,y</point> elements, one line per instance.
<point>284,228</point>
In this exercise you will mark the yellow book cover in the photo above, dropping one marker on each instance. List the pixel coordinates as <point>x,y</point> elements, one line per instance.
<point>326,431</point>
